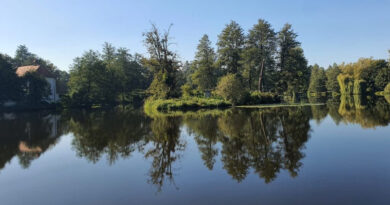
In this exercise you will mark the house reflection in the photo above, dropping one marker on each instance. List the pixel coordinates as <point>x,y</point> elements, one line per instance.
<point>28,135</point>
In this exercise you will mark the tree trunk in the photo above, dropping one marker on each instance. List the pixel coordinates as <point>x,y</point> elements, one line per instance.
<point>259,86</point>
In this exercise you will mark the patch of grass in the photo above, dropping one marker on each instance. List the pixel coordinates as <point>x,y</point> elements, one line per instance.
<point>191,103</point>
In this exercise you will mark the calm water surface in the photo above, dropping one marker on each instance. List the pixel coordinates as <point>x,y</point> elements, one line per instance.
<point>337,153</point>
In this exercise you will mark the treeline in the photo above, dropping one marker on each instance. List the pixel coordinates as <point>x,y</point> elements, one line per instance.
<point>253,67</point>
<point>243,67</point>
<point>30,89</point>
<point>261,60</point>
<point>367,76</point>
<point>109,77</point>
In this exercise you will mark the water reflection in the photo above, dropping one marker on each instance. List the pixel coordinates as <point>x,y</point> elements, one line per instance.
<point>28,135</point>
<point>266,141</point>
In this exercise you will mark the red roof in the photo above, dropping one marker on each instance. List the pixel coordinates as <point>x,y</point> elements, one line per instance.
<point>21,71</point>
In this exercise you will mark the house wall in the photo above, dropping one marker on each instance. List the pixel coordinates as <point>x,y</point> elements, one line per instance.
<point>53,97</point>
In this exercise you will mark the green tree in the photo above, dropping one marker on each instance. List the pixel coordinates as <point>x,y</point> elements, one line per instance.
<point>287,64</point>
<point>317,80</point>
<point>162,62</point>
<point>230,88</point>
<point>361,77</point>
<point>9,82</point>
<point>230,46</point>
<point>87,79</point>
<point>259,55</point>
<point>332,84</point>
<point>35,89</point>
<point>296,73</point>
<point>382,79</point>
<point>108,78</point>
<point>204,76</point>
<point>23,56</point>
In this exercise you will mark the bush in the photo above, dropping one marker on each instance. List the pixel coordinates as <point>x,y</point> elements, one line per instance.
<point>230,88</point>
<point>257,97</point>
<point>186,90</point>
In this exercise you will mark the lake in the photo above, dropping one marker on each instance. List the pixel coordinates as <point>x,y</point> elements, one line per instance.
<point>334,153</point>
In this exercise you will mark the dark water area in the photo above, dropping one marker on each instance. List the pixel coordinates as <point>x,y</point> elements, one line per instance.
<point>335,153</point>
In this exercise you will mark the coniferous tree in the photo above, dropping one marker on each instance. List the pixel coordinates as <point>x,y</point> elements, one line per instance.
<point>332,84</point>
<point>204,76</point>
<point>317,80</point>
<point>294,74</point>
<point>259,55</point>
<point>230,46</point>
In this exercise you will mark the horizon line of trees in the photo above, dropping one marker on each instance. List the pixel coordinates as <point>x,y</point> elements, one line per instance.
<point>262,60</point>
<point>366,76</point>
<point>253,63</point>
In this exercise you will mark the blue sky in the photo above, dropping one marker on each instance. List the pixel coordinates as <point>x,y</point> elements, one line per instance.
<point>59,30</point>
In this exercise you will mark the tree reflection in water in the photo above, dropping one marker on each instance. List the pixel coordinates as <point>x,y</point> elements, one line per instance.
<point>28,135</point>
<point>266,140</point>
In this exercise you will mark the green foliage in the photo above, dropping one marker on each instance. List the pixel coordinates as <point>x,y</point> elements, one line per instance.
<point>317,80</point>
<point>294,74</point>
<point>382,78</point>
<point>205,74</point>
<point>186,90</point>
<point>163,63</point>
<point>35,89</point>
<point>258,56</point>
<point>359,87</point>
<point>159,88</point>
<point>366,69</point>
<point>256,98</point>
<point>9,83</point>
<point>345,83</point>
<point>153,105</point>
<point>106,79</point>
<point>230,88</point>
<point>230,46</point>
<point>332,85</point>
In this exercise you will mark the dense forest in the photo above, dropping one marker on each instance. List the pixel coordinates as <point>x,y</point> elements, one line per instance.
<point>254,67</point>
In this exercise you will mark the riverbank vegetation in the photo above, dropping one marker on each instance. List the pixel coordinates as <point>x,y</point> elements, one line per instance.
<point>260,66</point>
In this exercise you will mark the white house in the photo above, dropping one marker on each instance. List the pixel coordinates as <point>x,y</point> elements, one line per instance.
<point>44,72</point>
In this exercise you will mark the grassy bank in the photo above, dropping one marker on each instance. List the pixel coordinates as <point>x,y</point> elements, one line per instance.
<point>193,103</point>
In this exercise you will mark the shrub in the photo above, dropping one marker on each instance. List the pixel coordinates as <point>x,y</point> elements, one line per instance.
<point>230,88</point>
<point>186,90</point>
<point>257,97</point>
